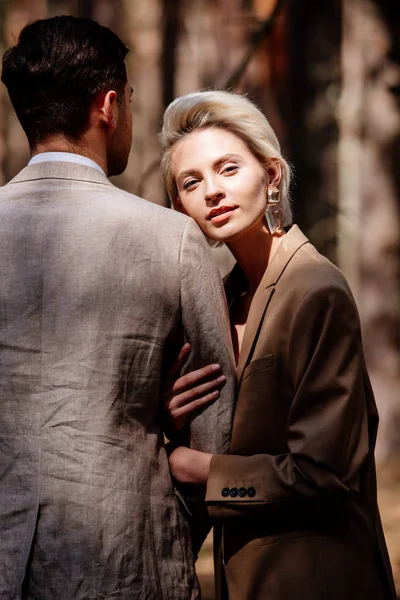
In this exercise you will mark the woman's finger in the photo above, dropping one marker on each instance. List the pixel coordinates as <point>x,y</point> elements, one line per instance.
<point>193,394</point>
<point>176,368</point>
<point>186,410</point>
<point>193,378</point>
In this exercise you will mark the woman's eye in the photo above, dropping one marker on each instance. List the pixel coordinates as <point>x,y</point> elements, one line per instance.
<point>188,184</point>
<point>230,169</point>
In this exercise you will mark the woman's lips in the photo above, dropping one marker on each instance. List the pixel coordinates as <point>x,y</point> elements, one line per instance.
<point>220,214</point>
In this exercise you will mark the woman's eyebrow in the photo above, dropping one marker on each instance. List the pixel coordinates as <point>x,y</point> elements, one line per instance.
<point>223,159</point>
<point>217,163</point>
<point>189,173</point>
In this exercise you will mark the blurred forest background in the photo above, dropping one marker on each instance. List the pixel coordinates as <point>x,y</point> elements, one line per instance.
<point>327,75</point>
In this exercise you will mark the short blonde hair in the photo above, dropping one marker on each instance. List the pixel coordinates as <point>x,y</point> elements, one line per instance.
<point>226,110</point>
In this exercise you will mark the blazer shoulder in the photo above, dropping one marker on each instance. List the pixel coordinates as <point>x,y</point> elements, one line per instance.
<point>309,270</point>
<point>149,213</point>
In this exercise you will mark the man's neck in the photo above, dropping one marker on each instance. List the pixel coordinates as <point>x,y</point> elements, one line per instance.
<point>62,145</point>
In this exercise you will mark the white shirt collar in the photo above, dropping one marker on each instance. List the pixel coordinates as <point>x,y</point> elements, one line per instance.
<point>65,157</point>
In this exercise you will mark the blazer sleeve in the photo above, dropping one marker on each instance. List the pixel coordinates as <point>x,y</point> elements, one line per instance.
<point>206,327</point>
<point>327,429</point>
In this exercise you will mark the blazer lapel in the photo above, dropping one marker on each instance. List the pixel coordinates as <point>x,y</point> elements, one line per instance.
<point>288,247</point>
<point>257,310</point>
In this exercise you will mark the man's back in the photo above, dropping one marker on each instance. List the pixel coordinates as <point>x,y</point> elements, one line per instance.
<point>96,288</point>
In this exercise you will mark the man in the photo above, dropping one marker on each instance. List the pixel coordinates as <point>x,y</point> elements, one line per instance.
<point>97,290</point>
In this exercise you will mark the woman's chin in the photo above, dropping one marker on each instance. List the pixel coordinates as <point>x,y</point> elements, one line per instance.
<point>221,234</point>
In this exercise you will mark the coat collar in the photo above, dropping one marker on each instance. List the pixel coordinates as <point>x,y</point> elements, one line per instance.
<point>60,170</point>
<point>288,247</point>
<point>235,283</point>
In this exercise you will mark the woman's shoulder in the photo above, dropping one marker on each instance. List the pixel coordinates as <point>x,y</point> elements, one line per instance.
<point>309,272</point>
<point>313,289</point>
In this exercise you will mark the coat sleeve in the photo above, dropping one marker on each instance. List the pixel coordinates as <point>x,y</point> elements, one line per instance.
<point>327,429</point>
<point>206,327</point>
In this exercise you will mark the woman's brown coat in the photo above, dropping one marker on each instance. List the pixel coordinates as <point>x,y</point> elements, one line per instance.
<point>295,502</point>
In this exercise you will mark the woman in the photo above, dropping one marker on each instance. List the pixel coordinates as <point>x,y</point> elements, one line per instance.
<point>296,498</point>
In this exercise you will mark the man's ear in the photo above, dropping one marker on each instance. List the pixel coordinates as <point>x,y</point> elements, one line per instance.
<point>109,109</point>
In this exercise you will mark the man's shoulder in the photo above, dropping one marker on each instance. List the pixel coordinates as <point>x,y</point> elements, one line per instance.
<point>94,202</point>
<point>154,213</point>
<point>77,184</point>
<point>74,179</point>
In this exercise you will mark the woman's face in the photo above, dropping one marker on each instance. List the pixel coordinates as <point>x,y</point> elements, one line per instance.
<point>220,183</point>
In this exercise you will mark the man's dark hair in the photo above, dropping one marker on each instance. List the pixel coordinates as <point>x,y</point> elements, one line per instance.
<point>55,71</point>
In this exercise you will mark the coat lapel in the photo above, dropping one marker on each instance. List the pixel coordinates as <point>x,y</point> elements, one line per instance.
<point>257,310</point>
<point>288,247</point>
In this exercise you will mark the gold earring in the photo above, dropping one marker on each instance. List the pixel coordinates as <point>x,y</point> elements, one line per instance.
<point>273,211</point>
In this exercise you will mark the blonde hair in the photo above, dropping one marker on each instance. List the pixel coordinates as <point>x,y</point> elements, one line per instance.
<point>225,110</point>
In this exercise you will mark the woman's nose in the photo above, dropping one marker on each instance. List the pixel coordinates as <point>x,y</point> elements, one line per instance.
<point>213,192</point>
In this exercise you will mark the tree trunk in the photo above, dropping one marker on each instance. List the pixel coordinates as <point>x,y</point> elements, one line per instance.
<point>369,224</point>
<point>143,32</point>
<point>369,230</point>
<point>309,105</point>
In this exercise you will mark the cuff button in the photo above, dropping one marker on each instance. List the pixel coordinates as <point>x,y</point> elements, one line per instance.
<point>242,492</point>
<point>225,492</point>
<point>234,492</point>
<point>251,492</point>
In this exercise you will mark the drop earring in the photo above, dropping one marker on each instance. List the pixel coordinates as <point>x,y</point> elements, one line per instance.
<point>273,211</point>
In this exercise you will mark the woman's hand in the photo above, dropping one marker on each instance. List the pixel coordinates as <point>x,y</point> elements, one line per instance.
<point>190,466</point>
<point>192,391</point>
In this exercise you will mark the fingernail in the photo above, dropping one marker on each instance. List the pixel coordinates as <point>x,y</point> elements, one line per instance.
<point>221,379</point>
<point>215,394</point>
<point>215,367</point>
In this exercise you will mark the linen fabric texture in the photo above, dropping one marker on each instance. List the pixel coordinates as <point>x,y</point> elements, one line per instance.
<point>99,288</point>
<point>303,444</point>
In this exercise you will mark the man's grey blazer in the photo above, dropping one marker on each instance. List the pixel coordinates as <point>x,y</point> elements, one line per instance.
<point>97,290</point>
